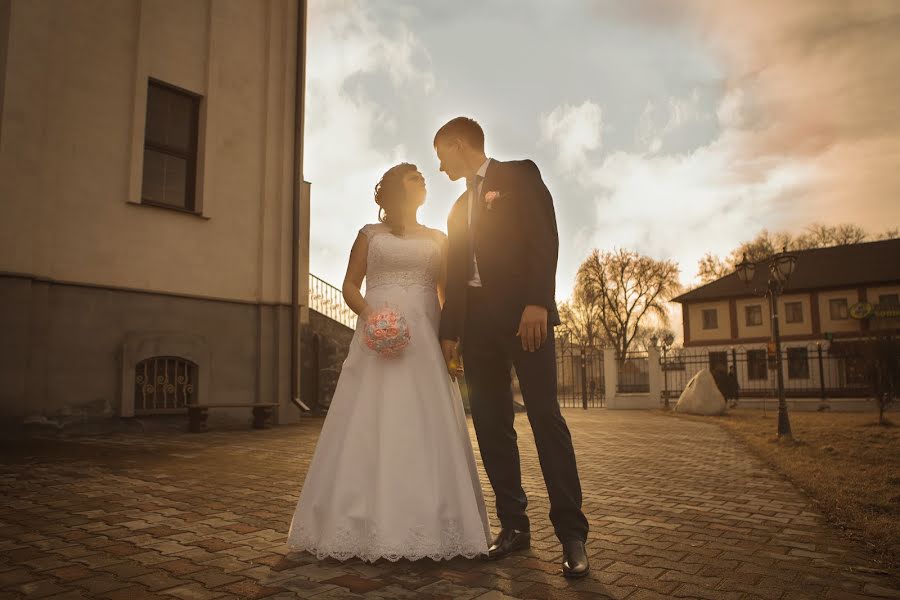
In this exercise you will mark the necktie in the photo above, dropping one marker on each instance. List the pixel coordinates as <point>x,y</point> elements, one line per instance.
<point>472,186</point>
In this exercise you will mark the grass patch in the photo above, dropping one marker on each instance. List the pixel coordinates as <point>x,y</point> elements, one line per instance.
<point>846,462</point>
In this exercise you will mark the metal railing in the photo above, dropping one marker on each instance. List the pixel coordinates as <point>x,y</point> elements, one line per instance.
<point>810,371</point>
<point>328,300</point>
<point>633,373</point>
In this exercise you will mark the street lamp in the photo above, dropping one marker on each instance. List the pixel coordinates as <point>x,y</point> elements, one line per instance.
<point>664,344</point>
<point>781,268</point>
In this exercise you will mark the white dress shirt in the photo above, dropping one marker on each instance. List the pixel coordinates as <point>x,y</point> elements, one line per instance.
<point>482,170</point>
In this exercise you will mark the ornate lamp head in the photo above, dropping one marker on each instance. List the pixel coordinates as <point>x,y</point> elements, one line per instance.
<point>783,265</point>
<point>746,270</point>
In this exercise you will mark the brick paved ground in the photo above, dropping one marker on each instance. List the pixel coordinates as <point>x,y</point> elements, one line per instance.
<point>677,509</point>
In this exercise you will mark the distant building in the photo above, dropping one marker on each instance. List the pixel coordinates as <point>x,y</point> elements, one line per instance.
<point>150,171</point>
<point>836,299</point>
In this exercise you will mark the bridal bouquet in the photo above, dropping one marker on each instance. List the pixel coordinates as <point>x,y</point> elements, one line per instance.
<point>386,332</point>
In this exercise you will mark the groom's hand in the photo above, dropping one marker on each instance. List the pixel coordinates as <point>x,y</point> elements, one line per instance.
<point>533,327</point>
<point>450,348</point>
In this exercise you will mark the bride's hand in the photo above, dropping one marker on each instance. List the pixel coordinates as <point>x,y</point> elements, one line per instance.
<point>366,313</point>
<point>450,349</point>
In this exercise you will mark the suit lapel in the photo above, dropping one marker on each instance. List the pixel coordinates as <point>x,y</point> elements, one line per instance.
<point>489,183</point>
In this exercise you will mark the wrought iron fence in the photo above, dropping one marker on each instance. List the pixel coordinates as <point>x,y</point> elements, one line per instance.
<point>579,374</point>
<point>633,373</point>
<point>810,371</point>
<point>328,300</point>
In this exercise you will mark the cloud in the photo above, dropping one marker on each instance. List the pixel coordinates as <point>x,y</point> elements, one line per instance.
<point>682,205</point>
<point>575,130</point>
<point>816,82</point>
<point>350,137</point>
<point>808,130</point>
<point>656,123</point>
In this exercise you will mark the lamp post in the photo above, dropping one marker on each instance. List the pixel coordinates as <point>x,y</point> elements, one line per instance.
<point>664,344</point>
<point>781,268</point>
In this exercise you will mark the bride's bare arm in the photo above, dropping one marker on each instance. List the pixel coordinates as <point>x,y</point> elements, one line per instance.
<point>442,279</point>
<point>356,272</point>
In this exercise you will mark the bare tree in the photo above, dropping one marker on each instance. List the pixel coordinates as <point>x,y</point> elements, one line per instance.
<point>581,318</point>
<point>767,244</point>
<point>824,236</point>
<point>711,267</point>
<point>629,287</point>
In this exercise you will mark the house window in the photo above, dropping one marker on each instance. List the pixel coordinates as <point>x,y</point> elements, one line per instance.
<point>793,312</point>
<point>718,361</point>
<point>838,309</point>
<point>170,147</point>
<point>798,363</point>
<point>710,318</point>
<point>756,365</point>
<point>753,315</point>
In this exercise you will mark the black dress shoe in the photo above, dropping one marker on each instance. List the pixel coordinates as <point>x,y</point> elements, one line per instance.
<point>575,560</point>
<point>508,541</point>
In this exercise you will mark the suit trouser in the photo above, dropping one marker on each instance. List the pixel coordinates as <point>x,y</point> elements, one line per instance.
<point>488,354</point>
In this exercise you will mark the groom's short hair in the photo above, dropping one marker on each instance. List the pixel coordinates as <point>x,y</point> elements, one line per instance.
<point>465,129</point>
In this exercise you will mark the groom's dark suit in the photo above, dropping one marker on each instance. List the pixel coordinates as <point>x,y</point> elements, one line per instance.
<point>515,241</point>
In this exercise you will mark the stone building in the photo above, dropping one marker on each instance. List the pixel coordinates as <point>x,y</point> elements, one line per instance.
<point>153,226</point>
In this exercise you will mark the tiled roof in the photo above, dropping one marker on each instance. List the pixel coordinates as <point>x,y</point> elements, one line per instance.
<point>840,266</point>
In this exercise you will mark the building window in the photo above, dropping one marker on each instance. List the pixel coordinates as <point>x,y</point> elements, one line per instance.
<point>718,361</point>
<point>798,363</point>
<point>170,147</point>
<point>753,314</point>
<point>793,312</point>
<point>838,308</point>
<point>710,318</point>
<point>164,384</point>
<point>756,365</point>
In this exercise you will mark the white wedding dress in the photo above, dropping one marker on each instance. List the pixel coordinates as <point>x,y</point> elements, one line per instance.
<point>393,475</point>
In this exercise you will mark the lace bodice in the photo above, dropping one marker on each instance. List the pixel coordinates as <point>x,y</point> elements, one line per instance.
<point>413,259</point>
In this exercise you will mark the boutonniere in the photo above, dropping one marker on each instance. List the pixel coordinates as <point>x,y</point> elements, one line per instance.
<point>490,198</point>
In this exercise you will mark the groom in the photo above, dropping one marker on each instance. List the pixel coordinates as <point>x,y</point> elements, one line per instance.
<point>500,308</point>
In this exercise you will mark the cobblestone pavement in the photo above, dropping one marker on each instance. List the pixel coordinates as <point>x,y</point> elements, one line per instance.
<point>677,509</point>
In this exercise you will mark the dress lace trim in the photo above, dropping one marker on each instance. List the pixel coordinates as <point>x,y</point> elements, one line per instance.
<point>346,542</point>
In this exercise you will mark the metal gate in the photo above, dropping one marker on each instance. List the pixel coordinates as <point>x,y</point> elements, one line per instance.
<point>580,380</point>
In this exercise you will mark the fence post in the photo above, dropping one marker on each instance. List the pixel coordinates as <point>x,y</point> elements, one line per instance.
<point>610,374</point>
<point>584,391</point>
<point>823,405</point>
<point>655,373</point>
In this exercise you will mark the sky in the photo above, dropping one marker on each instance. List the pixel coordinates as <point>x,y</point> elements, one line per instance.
<point>668,127</point>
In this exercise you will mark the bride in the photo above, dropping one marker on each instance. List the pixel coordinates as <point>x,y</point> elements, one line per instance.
<point>393,475</point>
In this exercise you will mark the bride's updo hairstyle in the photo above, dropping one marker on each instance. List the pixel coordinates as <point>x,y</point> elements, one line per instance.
<point>390,196</point>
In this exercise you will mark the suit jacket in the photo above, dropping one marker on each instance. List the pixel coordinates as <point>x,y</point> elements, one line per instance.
<point>516,244</point>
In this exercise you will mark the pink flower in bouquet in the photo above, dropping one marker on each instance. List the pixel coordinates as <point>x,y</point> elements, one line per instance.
<point>386,332</point>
